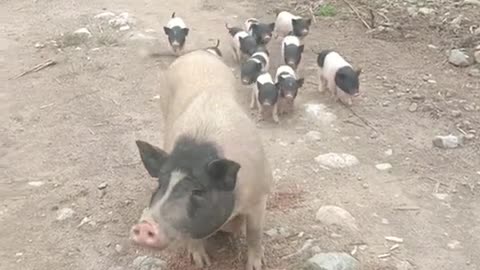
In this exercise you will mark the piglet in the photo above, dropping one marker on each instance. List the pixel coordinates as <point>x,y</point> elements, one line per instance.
<point>338,76</point>
<point>288,86</point>
<point>261,31</point>
<point>265,96</point>
<point>215,49</point>
<point>243,44</point>
<point>287,22</point>
<point>211,173</point>
<point>292,51</point>
<point>177,32</point>
<point>258,63</point>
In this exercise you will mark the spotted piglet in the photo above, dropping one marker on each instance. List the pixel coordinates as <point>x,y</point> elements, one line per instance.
<point>215,50</point>
<point>265,97</point>
<point>338,76</point>
<point>177,32</point>
<point>261,31</point>
<point>244,44</point>
<point>288,85</point>
<point>292,51</point>
<point>258,63</point>
<point>287,22</point>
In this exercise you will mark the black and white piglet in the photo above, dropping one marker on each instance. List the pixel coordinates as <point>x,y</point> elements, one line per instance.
<point>292,51</point>
<point>261,31</point>
<point>286,22</point>
<point>258,63</point>
<point>244,45</point>
<point>177,32</point>
<point>215,49</point>
<point>338,76</point>
<point>288,86</point>
<point>265,96</point>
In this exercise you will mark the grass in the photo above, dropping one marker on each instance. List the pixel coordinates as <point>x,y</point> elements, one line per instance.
<point>326,10</point>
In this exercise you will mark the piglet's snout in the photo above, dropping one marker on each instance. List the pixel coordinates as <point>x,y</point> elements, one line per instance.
<point>148,235</point>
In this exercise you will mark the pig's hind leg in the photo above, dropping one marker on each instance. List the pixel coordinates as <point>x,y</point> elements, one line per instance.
<point>198,254</point>
<point>255,221</point>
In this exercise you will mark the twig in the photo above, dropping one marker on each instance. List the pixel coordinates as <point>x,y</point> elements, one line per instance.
<point>36,68</point>
<point>358,14</point>
<point>305,246</point>
<point>372,18</point>
<point>126,164</point>
<point>352,123</point>
<point>46,106</point>
<point>407,208</point>
<point>361,118</point>
<point>313,15</point>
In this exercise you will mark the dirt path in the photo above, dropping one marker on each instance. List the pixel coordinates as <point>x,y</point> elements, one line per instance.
<point>72,127</point>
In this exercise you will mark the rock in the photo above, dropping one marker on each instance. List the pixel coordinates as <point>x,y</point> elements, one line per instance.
<point>36,183</point>
<point>334,215</point>
<point>105,15</point>
<point>460,58</point>
<point>413,107</point>
<point>456,113</point>
<point>440,196</point>
<point>124,27</point>
<point>449,141</point>
<point>149,263</point>
<point>385,221</point>
<point>383,166</point>
<point>118,248</point>
<point>102,186</point>
<point>313,136</point>
<point>65,213</point>
<point>472,2</point>
<point>431,46</point>
<point>418,96</point>
<point>394,239</point>
<point>474,72</point>
<point>320,112</point>
<point>388,152</point>
<point>337,160</point>
<point>82,32</point>
<point>84,221</point>
<point>454,244</point>
<point>432,81</point>
<point>39,45</point>
<point>425,10</point>
<point>331,261</point>
<point>476,55</point>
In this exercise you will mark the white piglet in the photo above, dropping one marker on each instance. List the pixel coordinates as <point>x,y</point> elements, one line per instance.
<point>287,23</point>
<point>338,76</point>
<point>177,32</point>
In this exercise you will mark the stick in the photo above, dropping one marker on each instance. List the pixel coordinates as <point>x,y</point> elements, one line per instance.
<point>361,118</point>
<point>313,15</point>
<point>407,208</point>
<point>358,15</point>
<point>36,68</point>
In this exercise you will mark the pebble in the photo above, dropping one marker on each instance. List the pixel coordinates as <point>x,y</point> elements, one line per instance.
<point>65,213</point>
<point>440,196</point>
<point>124,28</point>
<point>337,160</point>
<point>83,32</point>
<point>385,221</point>
<point>425,10</point>
<point>102,186</point>
<point>331,261</point>
<point>105,15</point>
<point>386,103</point>
<point>118,248</point>
<point>454,244</point>
<point>449,141</point>
<point>313,136</point>
<point>334,215</point>
<point>19,254</point>
<point>383,166</point>
<point>456,113</point>
<point>413,107</point>
<point>394,239</point>
<point>320,112</point>
<point>39,45</point>
<point>84,221</point>
<point>36,183</point>
<point>388,152</point>
<point>460,58</point>
<point>474,72</point>
<point>149,263</point>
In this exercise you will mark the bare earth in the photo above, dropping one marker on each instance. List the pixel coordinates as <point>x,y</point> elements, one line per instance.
<point>72,126</point>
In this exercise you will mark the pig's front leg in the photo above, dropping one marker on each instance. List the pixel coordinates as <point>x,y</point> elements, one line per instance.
<point>255,220</point>
<point>253,100</point>
<point>275,113</point>
<point>198,254</point>
<point>321,81</point>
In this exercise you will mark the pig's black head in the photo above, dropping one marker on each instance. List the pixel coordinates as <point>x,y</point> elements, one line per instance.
<point>250,71</point>
<point>301,26</point>
<point>195,194</point>
<point>262,32</point>
<point>288,86</point>
<point>293,55</point>
<point>346,78</point>
<point>248,45</point>
<point>267,94</point>
<point>176,36</point>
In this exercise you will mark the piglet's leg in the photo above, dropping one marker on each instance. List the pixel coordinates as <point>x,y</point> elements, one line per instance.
<point>255,221</point>
<point>275,113</point>
<point>198,254</point>
<point>321,82</point>
<point>253,98</point>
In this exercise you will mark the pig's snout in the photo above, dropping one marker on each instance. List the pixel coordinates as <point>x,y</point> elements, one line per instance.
<point>148,235</point>
<point>267,38</point>
<point>246,81</point>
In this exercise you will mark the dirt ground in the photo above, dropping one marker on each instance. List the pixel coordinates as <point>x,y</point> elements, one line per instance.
<point>72,127</point>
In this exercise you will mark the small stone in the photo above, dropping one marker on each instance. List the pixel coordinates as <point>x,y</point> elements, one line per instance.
<point>440,196</point>
<point>102,186</point>
<point>425,10</point>
<point>334,215</point>
<point>124,27</point>
<point>39,45</point>
<point>469,136</point>
<point>385,221</point>
<point>454,244</point>
<point>474,72</point>
<point>386,103</point>
<point>449,141</point>
<point>418,97</point>
<point>36,183</point>
<point>456,113</point>
<point>84,221</point>
<point>118,248</point>
<point>149,263</point>
<point>337,160</point>
<point>320,112</point>
<point>383,166</point>
<point>388,152</point>
<point>365,185</point>
<point>432,81</point>
<point>331,261</point>
<point>272,232</point>
<point>19,254</point>
<point>105,15</point>
<point>83,32</point>
<point>313,136</point>
<point>413,107</point>
<point>394,239</point>
<point>65,213</point>
<point>431,46</point>
<point>460,58</point>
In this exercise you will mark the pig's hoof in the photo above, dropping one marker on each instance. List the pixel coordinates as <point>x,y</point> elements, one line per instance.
<point>254,263</point>
<point>199,258</point>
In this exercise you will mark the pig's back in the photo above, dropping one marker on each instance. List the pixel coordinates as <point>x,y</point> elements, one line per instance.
<point>333,62</point>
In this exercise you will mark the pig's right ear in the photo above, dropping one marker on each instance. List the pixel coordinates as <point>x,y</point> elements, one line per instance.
<point>152,157</point>
<point>166,30</point>
<point>224,172</point>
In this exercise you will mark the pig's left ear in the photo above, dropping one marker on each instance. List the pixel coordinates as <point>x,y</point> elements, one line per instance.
<point>152,157</point>
<point>358,71</point>
<point>166,30</point>
<point>185,31</point>
<point>301,47</point>
<point>309,21</point>
<point>300,82</point>
<point>272,26</point>
<point>224,172</point>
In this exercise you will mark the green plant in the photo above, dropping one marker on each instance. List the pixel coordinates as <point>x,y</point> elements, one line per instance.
<point>326,10</point>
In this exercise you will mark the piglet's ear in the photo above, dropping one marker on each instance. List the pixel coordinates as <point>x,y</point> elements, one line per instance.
<point>152,157</point>
<point>358,71</point>
<point>272,26</point>
<point>224,173</point>
<point>185,31</point>
<point>301,47</point>
<point>300,82</point>
<point>166,30</point>
<point>309,21</point>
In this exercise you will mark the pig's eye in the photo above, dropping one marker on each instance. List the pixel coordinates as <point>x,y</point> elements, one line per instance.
<point>198,192</point>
